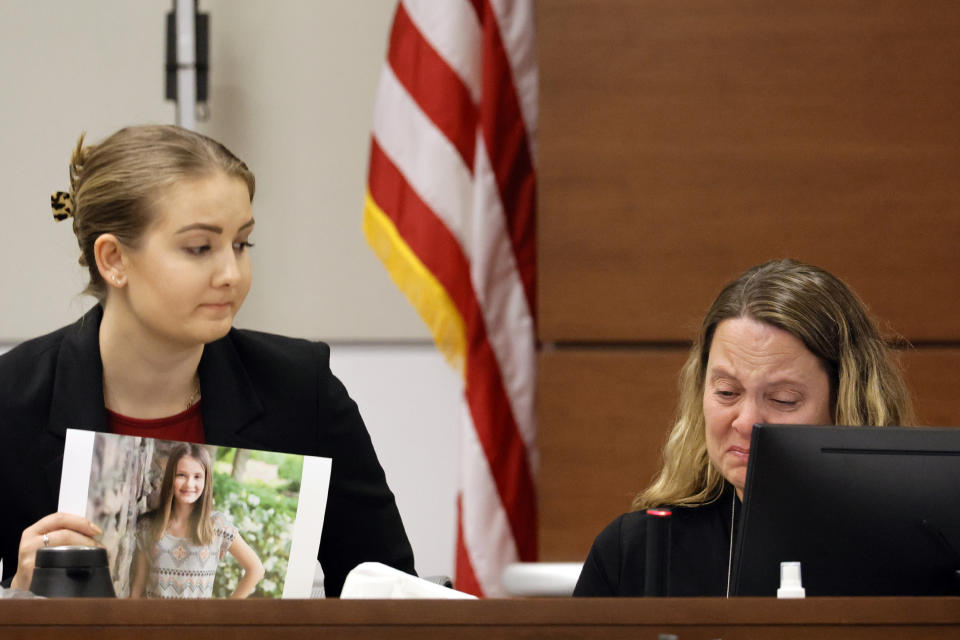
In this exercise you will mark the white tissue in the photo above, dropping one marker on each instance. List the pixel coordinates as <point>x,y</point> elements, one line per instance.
<point>374,580</point>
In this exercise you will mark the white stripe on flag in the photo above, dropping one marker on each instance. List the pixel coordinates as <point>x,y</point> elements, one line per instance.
<point>426,158</point>
<point>452,28</point>
<point>516,22</point>
<point>486,531</point>
<point>496,280</point>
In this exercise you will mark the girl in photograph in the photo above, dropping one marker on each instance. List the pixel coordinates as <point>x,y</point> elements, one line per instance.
<point>180,543</point>
<point>163,218</point>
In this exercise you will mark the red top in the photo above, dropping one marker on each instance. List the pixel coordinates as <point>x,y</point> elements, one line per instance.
<point>186,426</point>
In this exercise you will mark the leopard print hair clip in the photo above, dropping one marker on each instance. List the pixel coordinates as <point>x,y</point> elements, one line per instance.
<point>62,205</point>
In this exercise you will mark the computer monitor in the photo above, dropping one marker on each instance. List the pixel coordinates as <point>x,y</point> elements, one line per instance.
<point>868,511</point>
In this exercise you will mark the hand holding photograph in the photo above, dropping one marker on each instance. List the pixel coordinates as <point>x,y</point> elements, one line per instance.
<point>182,520</point>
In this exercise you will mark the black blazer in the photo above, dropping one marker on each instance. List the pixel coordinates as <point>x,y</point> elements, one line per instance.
<point>700,546</point>
<point>260,391</point>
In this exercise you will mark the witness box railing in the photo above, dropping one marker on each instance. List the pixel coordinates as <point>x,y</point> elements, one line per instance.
<point>688,619</point>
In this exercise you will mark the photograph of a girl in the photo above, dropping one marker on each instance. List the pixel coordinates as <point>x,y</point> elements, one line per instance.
<point>181,543</point>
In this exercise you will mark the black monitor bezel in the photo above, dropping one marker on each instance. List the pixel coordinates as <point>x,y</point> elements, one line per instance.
<point>866,464</point>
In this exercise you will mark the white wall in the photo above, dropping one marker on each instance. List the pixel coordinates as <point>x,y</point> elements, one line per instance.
<point>409,399</point>
<point>292,88</point>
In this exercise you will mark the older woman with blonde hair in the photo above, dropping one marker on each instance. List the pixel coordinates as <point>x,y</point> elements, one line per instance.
<point>784,343</point>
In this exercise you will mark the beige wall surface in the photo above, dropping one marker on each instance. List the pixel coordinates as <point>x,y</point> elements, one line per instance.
<point>292,85</point>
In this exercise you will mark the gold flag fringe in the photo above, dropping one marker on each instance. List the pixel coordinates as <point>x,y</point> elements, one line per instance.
<point>418,283</point>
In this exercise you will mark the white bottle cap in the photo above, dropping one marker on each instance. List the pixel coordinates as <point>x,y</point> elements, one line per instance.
<point>790,584</point>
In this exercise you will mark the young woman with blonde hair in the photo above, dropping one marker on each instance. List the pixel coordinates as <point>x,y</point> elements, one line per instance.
<point>163,219</point>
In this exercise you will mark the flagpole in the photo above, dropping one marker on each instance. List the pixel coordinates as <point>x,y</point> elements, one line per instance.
<point>186,18</point>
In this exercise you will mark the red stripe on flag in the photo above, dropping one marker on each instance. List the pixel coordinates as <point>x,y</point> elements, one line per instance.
<point>493,419</point>
<point>498,434</point>
<point>478,7</point>
<point>423,232</point>
<point>505,136</point>
<point>434,85</point>
<point>466,577</point>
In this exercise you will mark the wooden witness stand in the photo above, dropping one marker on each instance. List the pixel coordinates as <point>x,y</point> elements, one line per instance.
<point>688,619</point>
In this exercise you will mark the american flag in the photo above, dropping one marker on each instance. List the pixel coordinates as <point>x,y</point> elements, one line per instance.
<point>451,210</point>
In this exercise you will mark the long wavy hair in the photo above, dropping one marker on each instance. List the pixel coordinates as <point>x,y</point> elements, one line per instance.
<point>866,384</point>
<point>199,526</point>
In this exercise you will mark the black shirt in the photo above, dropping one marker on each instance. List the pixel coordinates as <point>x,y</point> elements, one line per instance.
<point>699,552</point>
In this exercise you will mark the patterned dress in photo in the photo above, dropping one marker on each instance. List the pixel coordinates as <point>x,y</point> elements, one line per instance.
<point>181,568</point>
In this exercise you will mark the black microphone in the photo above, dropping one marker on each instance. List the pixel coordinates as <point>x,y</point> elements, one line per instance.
<point>656,581</point>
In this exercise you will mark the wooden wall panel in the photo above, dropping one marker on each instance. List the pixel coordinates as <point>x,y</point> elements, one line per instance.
<point>604,415</point>
<point>933,375</point>
<point>682,141</point>
<point>602,419</point>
